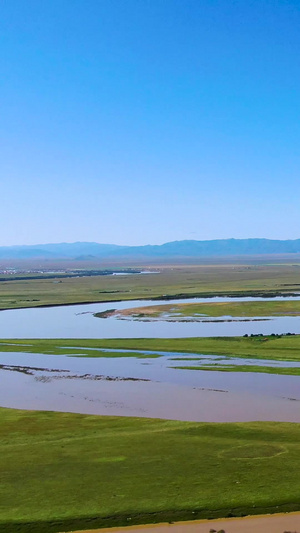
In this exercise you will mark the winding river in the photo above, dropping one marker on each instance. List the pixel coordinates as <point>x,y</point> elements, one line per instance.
<point>141,387</point>
<point>78,321</point>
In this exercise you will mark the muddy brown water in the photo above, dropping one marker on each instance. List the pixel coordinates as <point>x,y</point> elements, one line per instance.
<point>128,386</point>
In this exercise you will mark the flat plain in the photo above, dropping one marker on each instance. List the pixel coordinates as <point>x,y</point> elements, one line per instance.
<point>172,281</point>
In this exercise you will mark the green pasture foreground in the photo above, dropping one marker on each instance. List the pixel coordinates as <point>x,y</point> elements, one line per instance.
<point>284,348</point>
<point>62,472</point>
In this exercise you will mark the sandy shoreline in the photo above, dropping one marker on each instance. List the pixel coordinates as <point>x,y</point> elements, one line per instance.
<point>276,523</point>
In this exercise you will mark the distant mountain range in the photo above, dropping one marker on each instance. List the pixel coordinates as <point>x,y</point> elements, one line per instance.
<point>90,251</point>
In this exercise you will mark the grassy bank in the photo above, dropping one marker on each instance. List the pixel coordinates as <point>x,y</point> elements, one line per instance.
<point>234,309</point>
<point>282,348</point>
<point>243,368</point>
<point>62,472</point>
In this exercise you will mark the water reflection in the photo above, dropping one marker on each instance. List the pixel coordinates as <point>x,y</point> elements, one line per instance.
<point>77,321</point>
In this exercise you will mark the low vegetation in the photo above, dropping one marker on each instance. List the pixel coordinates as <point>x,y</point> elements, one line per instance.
<point>67,347</point>
<point>272,347</point>
<point>285,371</point>
<point>62,472</point>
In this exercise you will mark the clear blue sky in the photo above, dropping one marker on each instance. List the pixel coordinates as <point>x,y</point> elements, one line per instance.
<point>146,121</point>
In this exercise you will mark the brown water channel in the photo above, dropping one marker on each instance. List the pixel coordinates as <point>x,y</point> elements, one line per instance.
<point>145,387</point>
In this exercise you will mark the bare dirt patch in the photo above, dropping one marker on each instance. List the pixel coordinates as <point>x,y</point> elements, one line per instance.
<point>277,523</point>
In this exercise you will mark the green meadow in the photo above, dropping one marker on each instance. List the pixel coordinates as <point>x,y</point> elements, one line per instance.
<point>61,472</point>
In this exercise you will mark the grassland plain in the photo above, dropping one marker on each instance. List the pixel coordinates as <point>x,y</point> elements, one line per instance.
<point>219,309</point>
<point>171,281</point>
<point>61,472</point>
<point>281,348</point>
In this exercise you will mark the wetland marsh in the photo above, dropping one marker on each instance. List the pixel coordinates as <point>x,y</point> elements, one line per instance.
<point>153,378</point>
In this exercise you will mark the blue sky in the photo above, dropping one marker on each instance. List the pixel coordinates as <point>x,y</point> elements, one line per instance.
<point>146,121</point>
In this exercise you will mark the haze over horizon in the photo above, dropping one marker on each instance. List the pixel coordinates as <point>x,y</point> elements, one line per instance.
<point>149,121</point>
<point>84,251</point>
<point>59,243</point>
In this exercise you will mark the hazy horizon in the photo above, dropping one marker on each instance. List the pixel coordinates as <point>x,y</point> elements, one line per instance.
<point>144,243</point>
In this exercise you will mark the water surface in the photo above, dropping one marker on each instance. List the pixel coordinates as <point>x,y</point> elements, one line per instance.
<point>105,386</point>
<point>78,321</point>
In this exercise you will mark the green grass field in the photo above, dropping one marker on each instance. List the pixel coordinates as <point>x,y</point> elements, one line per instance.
<point>175,280</point>
<point>285,348</point>
<point>61,472</point>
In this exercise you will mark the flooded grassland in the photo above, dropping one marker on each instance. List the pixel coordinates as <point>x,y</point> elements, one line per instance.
<point>159,387</point>
<point>254,377</point>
